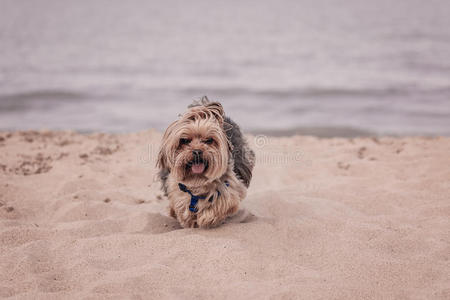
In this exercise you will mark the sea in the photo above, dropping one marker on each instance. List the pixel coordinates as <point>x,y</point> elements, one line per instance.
<point>324,67</point>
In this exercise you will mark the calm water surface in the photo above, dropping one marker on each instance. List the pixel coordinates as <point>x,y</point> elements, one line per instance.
<point>119,66</point>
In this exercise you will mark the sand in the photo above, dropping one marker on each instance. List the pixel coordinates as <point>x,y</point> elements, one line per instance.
<point>82,217</point>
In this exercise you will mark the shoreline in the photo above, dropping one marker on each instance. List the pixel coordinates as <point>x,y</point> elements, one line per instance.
<point>314,131</point>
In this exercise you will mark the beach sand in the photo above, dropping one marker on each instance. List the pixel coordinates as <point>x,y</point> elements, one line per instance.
<point>82,217</point>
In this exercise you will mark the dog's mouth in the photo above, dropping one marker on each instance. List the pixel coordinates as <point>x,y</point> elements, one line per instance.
<point>197,166</point>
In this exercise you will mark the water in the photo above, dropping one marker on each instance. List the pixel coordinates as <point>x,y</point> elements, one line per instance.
<point>120,66</point>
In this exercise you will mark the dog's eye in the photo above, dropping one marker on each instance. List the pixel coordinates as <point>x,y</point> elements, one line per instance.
<point>184,141</point>
<point>209,141</point>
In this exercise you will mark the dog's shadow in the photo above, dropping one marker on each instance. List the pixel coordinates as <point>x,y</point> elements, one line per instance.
<point>242,216</point>
<point>158,223</point>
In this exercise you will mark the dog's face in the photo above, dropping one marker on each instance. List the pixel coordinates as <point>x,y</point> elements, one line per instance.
<point>195,148</point>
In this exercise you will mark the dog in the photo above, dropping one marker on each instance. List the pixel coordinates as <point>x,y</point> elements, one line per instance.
<point>205,166</point>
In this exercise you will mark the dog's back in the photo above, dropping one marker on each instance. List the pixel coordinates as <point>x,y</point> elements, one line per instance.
<point>243,156</point>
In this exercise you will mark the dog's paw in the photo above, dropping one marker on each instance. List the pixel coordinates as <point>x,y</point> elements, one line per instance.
<point>210,218</point>
<point>172,213</point>
<point>186,219</point>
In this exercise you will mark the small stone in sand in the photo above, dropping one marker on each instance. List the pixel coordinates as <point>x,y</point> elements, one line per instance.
<point>344,166</point>
<point>361,152</point>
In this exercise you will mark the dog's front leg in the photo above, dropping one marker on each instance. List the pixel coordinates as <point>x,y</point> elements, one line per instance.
<point>186,219</point>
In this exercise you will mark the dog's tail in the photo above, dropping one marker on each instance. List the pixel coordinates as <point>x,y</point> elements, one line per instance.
<point>204,101</point>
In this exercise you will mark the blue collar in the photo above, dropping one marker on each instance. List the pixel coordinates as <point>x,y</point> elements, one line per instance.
<point>194,198</point>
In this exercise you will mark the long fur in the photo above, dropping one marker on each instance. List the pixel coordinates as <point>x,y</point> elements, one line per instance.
<point>229,160</point>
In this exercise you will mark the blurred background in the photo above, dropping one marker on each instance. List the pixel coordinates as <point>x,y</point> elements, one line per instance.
<point>325,67</point>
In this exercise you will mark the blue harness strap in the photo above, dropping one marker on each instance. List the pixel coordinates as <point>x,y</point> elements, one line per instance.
<point>194,198</point>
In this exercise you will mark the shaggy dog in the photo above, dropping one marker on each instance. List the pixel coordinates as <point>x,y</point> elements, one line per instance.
<point>205,166</point>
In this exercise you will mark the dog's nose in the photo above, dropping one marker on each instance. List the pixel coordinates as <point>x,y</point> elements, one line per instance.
<point>197,152</point>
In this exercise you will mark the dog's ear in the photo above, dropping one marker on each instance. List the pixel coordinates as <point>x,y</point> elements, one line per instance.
<point>162,161</point>
<point>228,129</point>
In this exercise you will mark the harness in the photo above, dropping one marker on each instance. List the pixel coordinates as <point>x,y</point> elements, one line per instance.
<point>194,198</point>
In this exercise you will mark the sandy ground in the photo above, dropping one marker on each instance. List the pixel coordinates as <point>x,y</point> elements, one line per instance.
<point>81,217</point>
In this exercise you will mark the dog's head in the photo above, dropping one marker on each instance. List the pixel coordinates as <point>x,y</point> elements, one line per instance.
<point>195,148</point>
